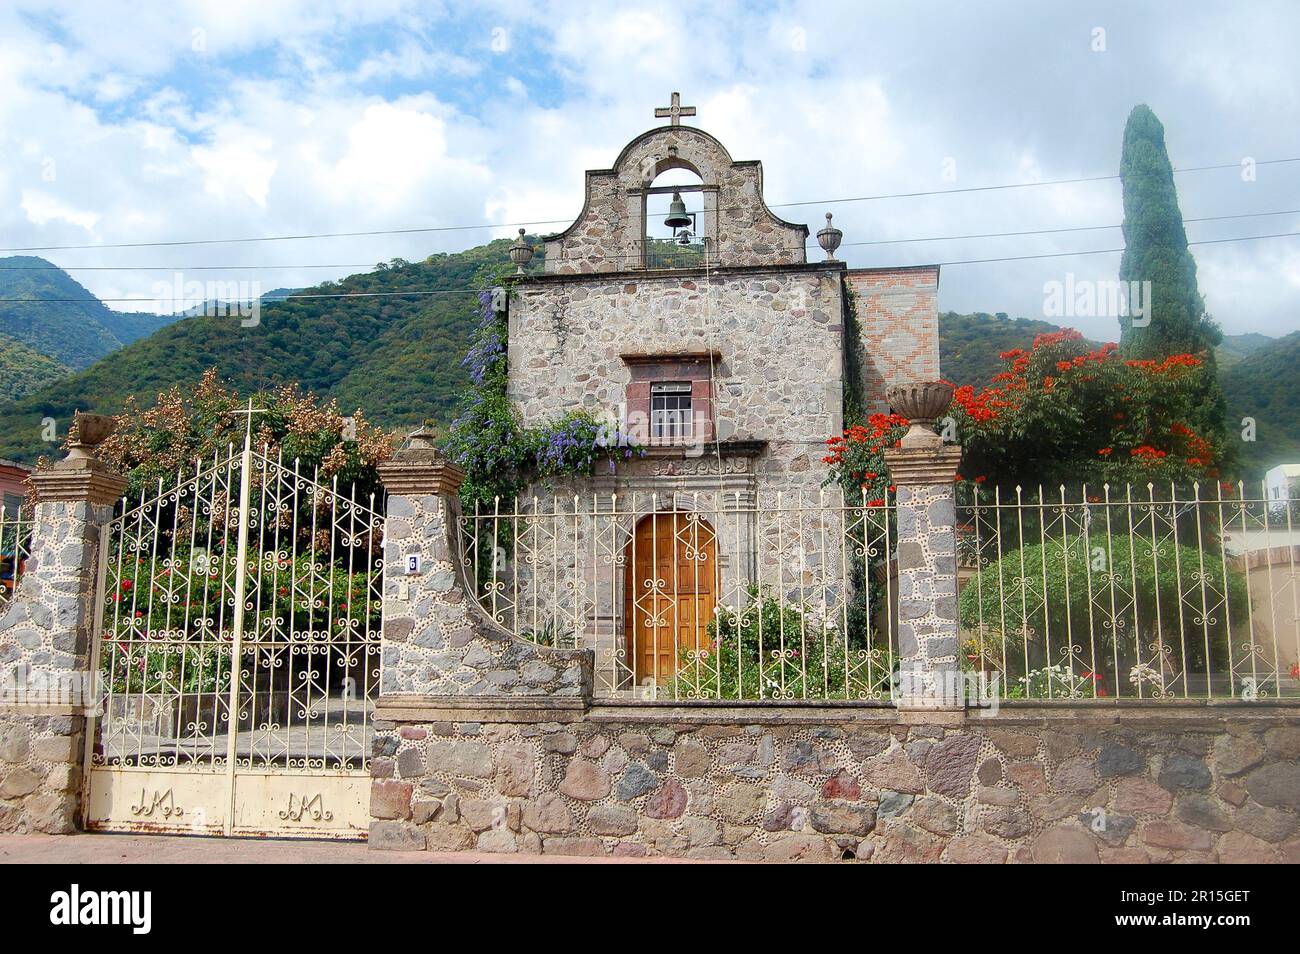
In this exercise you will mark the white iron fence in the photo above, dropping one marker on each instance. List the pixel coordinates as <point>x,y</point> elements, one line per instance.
<point>15,547</point>
<point>1067,594</point>
<point>1151,592</point>
<point>240,620</point>
<point>720,595</point>
<point>237,644</point>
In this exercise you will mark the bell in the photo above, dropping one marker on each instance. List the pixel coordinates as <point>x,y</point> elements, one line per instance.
<point>677,217</point>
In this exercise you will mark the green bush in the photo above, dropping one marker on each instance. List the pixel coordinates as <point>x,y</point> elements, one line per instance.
<point>1086,592</point>
<point>767,650</point>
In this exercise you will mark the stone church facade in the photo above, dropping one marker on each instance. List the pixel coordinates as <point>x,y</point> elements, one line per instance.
<point>758,331</point>
<point>741,350</point>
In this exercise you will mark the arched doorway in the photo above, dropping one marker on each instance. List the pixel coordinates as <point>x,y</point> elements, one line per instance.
<point>670,592</point>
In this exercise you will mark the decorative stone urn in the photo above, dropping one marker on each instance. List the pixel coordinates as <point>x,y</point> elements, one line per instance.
<point>829,238</point>
<point>92,430</point>
<point>521,253</point>
<point>921,403</point>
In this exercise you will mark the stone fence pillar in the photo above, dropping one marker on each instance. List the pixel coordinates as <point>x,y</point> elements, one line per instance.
<point>923,470</point>
<point>442,659</point>
<point>46,687</point>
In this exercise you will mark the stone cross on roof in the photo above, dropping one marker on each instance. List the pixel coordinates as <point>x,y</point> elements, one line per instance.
<point>676,111</point>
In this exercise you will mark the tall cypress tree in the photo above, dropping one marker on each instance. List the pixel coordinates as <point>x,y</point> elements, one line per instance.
<point>1155,250</point>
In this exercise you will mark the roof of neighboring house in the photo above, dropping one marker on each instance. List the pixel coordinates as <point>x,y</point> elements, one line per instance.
<point>1284,470</point>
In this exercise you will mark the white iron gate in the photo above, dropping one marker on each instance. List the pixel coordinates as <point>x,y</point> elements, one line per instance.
<point>238,650</point>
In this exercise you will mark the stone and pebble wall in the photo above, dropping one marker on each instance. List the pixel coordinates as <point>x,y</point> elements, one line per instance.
<point>434,641</point>
<point>43,652</point>
<point>778,375</point>
<point>1071,786</point>
<point>927,583</point>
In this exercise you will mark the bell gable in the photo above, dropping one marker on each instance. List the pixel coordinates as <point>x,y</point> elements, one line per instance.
<point>735,224</point>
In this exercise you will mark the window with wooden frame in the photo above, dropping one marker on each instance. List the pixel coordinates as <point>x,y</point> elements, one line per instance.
<point>670,398</point>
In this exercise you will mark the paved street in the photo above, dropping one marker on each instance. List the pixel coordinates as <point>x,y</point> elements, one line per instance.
<point>169,849</point>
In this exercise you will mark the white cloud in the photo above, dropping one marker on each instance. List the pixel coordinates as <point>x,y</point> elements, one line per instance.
<point>297,116</point>
<point>42,209</point>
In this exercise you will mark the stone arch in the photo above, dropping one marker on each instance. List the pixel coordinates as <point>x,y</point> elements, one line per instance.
<point>608,233</point>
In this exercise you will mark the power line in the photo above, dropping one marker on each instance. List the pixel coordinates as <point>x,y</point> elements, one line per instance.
<point>902,241</point>
<point>468,289</point>
<point>1109,251</point>
<point>503,225</point>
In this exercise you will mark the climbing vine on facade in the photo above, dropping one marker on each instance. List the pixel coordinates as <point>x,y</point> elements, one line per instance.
<point>488,439</point>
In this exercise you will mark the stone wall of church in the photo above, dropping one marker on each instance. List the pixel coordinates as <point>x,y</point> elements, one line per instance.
<point>779,335</point>
<point>1078,784</point>
<point>898,320</point>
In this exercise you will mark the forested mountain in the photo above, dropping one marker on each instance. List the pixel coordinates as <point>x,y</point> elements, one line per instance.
<point>1235,347</point>
<point>72,326</point>
<point>1265,385</point>
<point>23,369</point>
<point>397,356</point>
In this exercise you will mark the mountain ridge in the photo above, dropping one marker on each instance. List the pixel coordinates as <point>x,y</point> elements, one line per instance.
<point>399,357</point>
<point>73,326</point>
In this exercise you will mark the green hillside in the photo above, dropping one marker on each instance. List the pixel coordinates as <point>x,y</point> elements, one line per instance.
<point>1265,385</point>
<point>397,357</point>
<point>74,333</point>
<point>23,369</point>
<point>1235,347</point>
<point>969,345</point>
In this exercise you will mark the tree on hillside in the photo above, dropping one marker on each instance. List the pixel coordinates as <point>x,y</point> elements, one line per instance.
<point>1156,251</point>
<point>185,425</point>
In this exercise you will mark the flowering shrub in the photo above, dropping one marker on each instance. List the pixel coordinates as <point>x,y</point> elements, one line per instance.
<point>1063,411</point>
<point>167,438</point>
<point>577,441</point>
<point>857,458</point>
<point>488,440</point>
<point>1056,682</point>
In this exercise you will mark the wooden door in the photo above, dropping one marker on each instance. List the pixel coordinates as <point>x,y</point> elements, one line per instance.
<point>670,593</point>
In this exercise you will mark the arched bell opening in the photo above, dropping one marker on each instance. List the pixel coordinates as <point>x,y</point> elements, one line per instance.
<point>675,217</point>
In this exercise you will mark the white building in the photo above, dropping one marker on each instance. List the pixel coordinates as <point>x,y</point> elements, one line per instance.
<point>1281,485</point>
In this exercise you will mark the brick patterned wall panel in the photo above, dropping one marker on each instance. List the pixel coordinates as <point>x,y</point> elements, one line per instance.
<point>898,313</point>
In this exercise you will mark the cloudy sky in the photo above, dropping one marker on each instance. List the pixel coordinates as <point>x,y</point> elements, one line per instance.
<point>168,121</point>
